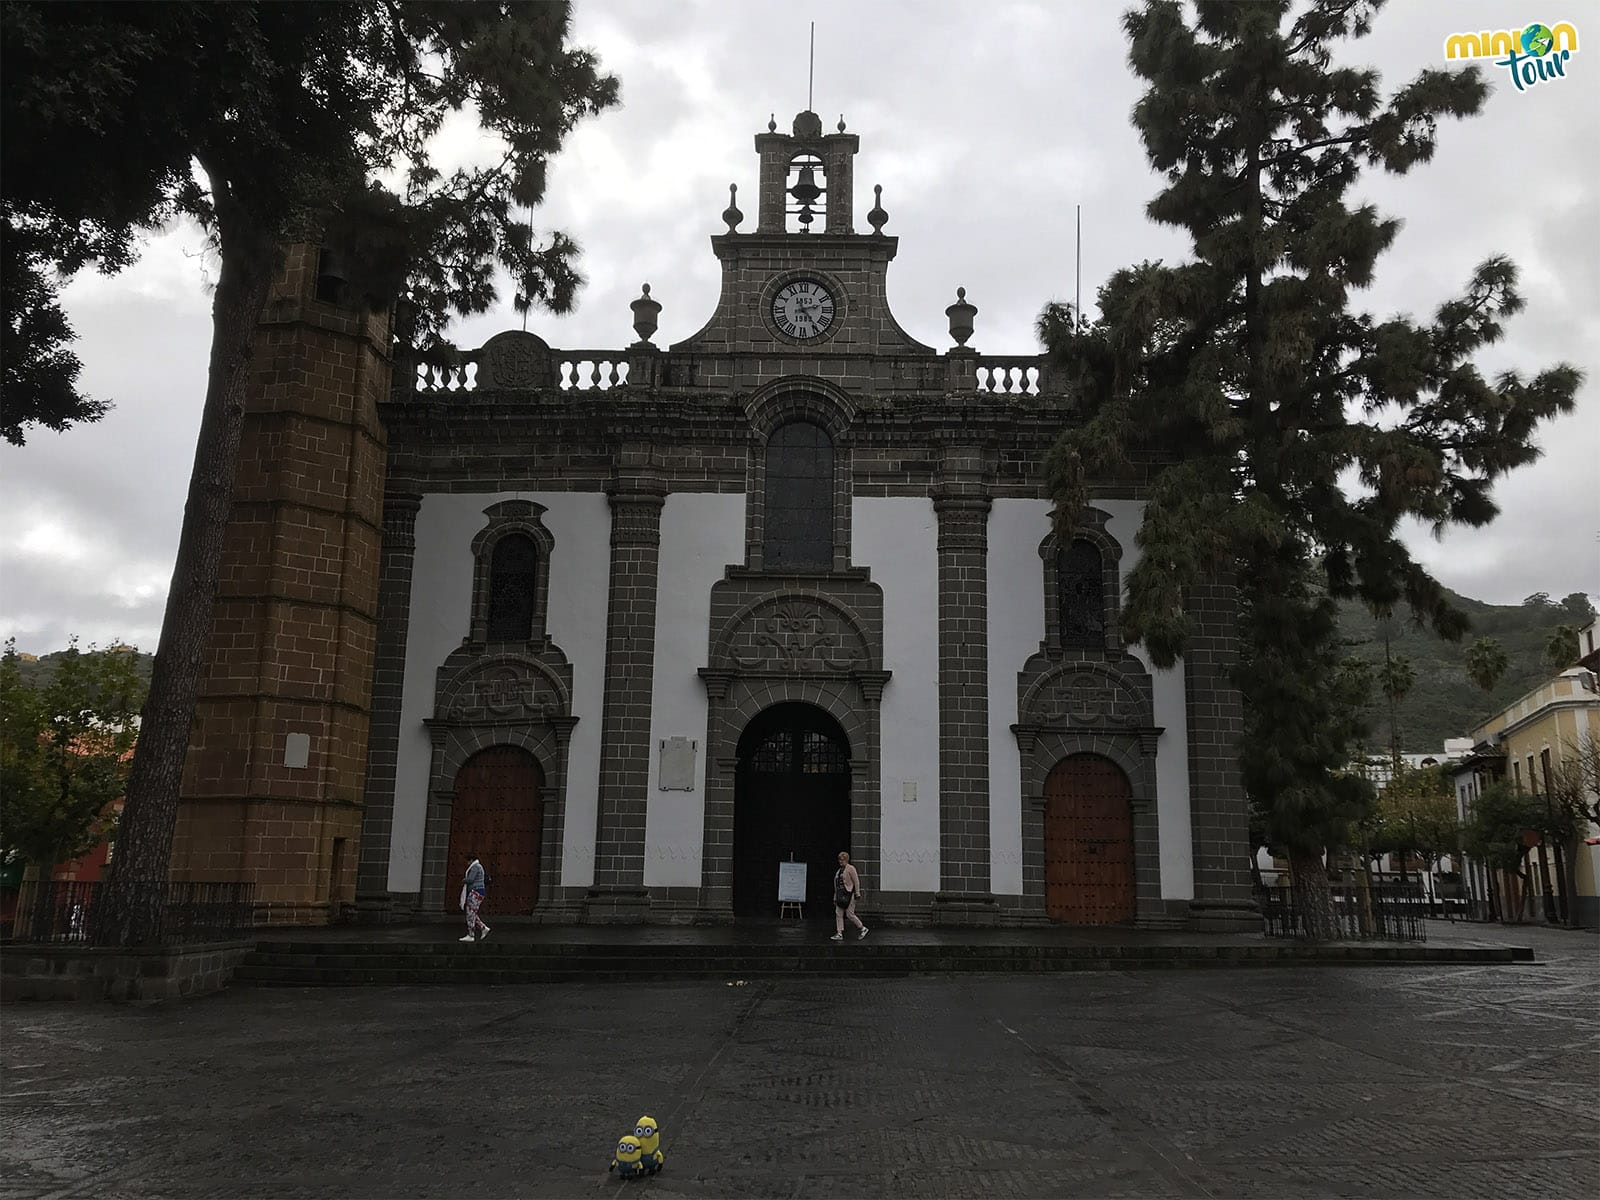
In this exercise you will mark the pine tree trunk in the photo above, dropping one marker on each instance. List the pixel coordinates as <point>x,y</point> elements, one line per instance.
<point>130,907</point>
<point>1312,898</point>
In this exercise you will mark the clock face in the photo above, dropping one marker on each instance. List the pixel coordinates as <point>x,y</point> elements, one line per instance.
<point>803,309</point>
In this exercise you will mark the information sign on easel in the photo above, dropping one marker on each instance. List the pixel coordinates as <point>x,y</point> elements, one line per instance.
<point>791,888</point>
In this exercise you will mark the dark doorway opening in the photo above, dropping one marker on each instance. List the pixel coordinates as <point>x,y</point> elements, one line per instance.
<point>499,816</point>
<point>791,797</point>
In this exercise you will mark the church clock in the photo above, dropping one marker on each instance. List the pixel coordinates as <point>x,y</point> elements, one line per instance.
<point>803,309</point>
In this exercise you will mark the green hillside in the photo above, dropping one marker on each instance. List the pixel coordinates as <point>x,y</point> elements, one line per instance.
<point>1445,702</point>
<point>37,670</point>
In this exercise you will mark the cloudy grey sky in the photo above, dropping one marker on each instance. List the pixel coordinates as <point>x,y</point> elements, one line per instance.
<point>986,124</point>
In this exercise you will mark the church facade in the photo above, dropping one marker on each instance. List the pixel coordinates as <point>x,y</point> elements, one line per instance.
<point>638,626</point>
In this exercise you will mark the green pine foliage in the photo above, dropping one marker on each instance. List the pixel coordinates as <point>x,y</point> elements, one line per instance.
<point>1287,433</point>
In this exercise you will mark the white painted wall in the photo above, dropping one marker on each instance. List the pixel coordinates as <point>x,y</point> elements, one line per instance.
<point>701,533</point>
<point>441,613</point>
<point>1016,628</point>
<point>1171,716</point>
<point>896,537</point>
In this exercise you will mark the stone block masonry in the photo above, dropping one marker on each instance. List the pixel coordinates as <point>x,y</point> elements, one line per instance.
<point>274,781</point>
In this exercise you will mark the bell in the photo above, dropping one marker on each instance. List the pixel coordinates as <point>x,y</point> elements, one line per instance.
<point>806,189</point>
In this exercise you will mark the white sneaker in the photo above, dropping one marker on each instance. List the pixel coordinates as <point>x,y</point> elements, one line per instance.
<point>862,934</point>
<point>484,934</point>
<point>468,938</point>
<point>838,937</point>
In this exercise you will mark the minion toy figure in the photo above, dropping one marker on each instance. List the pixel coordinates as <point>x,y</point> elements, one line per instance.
<point>649,1135</point>
<point>628,1162</point>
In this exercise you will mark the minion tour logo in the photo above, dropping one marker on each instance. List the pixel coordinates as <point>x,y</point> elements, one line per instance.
<point>1532,55</point>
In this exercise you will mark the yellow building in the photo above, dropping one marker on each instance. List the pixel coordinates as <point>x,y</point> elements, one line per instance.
<point>1529,743</point>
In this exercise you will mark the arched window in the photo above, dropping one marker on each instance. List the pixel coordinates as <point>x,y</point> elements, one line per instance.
<point>513,579</point>
<point>1081,596</point>
<point>799,509</point>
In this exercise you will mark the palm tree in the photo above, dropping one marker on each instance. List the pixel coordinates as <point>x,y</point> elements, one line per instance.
<point>1486,663</point>
<point>1561,647</point>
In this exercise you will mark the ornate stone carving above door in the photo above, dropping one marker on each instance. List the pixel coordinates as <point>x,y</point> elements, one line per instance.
<point>1074,696</point>
<point>793,635</point>
<point>502,689</point>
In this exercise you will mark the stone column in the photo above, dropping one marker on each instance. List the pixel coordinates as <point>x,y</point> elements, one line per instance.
<point>373,901</point>
<point>961,500</point>
<point>1218,811</point>
<point>636,496</point>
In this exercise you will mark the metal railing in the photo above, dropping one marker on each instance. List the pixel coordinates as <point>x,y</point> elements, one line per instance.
<point>55,912</point>
<point>1386,911</point>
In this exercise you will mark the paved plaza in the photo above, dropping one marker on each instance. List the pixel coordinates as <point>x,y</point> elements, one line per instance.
<point>1395,1081</point>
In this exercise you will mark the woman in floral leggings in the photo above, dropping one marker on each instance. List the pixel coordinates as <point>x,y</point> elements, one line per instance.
<point>472,893</point>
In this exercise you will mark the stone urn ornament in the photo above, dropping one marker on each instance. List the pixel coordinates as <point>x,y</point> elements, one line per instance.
<point>961,314</point>
<point>645,312</point>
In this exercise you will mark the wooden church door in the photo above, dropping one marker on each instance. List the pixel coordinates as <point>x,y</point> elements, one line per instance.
<point>1088,842</point>
<point>499,816</point>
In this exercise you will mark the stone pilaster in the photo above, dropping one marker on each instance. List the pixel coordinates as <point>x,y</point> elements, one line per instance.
<point>1218,811</point>
<point>388,678</point>
<point>961,500</point>
<point>637,496</point>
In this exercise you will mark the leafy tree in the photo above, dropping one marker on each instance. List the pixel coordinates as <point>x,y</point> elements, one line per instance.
<point>1486,663</point>
<point>1561,647</point>
<point>1417,808</point>
<point>64,751</point>
<point>271,123</point>
<point>1494,829</point>
<point>1578,607</point>
<point>1249,387</point>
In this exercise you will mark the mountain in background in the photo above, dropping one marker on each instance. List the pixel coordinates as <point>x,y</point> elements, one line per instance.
<point>1445,703</point>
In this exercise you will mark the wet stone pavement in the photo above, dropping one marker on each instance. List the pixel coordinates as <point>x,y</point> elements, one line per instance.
<point>1395,1081</point>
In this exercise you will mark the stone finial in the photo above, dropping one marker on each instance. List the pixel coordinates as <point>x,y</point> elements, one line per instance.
<point>645,312</point>
<point>731,214</point>
<point>772,123</point>
<point>877,218</point>
<point>841,122</point>
<point>961,314</point>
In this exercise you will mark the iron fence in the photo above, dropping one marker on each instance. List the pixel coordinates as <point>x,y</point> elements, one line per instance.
<point>1387,910</point>
<point>51,911</point>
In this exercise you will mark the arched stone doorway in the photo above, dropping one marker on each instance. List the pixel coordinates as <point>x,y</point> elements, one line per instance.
<point>498,815</point>
<point>791,797</point>
<point>1088,842</point>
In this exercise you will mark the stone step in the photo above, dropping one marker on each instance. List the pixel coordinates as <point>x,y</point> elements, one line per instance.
<point>309,963</point>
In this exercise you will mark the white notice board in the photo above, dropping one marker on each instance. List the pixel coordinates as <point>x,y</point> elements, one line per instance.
<point>791,883</point>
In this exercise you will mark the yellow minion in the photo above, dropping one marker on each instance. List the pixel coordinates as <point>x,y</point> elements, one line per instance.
<point>628,1161</point>
<point>649,1135</point>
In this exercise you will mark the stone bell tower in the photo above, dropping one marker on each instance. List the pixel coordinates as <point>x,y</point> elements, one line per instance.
<point>272,784</point>
<point>808,155</point>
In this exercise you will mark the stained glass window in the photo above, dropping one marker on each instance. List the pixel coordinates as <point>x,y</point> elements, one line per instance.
<point>1080,595</point>
<point>799,510</point>
<point>513,576</point>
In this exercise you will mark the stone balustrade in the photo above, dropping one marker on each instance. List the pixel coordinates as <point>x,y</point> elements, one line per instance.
<point>516,362</point>
<point>1010,374</point>
<point>590,370</point>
